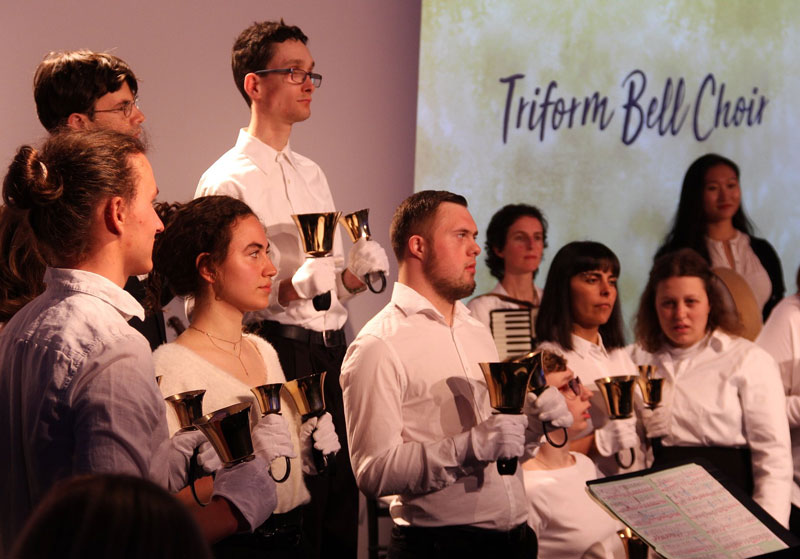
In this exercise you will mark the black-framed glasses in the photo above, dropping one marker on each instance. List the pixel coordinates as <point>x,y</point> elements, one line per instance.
<point>575,385</point>
<point>296,75</point>
<point>126,108</point>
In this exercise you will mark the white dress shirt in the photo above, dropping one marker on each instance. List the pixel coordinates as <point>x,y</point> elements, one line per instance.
<point>277,184</point>
<point>77,392</point>
<point>182,369</point>
<point>745,263</point>
<point>781,338</point>
<point>412,391</point>
<point>568,523</point>
<point>727,391</point>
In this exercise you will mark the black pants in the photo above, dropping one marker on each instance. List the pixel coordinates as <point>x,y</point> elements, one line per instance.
<point>330,520</point>
<point>462,542</point>
<point>280,537</point>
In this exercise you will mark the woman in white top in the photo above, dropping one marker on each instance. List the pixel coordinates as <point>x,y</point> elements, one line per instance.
<point>567,522</point>
<point>710,219</point>
<point>781,338</point>
<point>216,250</point>
<point>580,318</point>
<point>515,241</point>
<point>723,399</point>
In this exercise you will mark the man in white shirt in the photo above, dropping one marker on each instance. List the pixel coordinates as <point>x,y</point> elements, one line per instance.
<point>419,421</point>
<point>274,71</point>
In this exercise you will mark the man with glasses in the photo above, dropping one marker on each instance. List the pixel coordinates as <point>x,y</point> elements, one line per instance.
<point>86,90</point>
<point>274,72</point>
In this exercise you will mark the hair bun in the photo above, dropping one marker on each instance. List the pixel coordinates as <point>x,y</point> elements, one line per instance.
<point>29,182</point>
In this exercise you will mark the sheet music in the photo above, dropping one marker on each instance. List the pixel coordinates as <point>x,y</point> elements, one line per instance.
<point>685,513</point>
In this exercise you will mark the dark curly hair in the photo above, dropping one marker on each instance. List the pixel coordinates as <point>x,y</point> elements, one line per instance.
<point>683,262</point>
<point>21,266</point>
<point>255,47</point>
<point>497,232</point>
<point>554,321</point>
<point>203,225</point>
<point>61,185</point>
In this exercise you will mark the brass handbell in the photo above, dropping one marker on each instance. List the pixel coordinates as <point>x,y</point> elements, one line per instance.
<point>317,232</point>
<point>357,226</point>
<point>188,407</point>
<point>268,397</point>
<point>617,393</point>
<point>309,397</point>
<point>651,387</point>
<point>508,385</point>
<point>542,362</point>
<point>635,548</point>
<point>228,430</point>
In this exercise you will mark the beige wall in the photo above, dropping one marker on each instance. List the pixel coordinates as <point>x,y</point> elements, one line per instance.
<point>362,128</point>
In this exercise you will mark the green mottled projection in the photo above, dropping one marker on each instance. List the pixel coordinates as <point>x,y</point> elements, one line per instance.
<point>611,103</point>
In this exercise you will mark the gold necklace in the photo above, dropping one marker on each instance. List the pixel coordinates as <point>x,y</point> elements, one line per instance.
<point>237,354</point>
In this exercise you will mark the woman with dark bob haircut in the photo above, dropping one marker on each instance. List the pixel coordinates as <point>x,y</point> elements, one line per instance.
<point>515,240</point>
<point>580,317</point>
<point>723,398</point>
<point>110,516</point>
<point>215,250</point>
<point>710,219</point>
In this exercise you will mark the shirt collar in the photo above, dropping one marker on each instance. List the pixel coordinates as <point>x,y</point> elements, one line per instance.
<point>262,154</point>
<point>96,285</point>
<point>584,347</point>
<point>410,302</point>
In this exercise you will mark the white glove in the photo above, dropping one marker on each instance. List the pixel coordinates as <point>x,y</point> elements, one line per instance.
<point>271,438</point>
<point>248,487</point>
<point>177,453</point>
<point>208,459</point>
<point>366,257</point>
<point>550,406</point>
<point>320,433</point>
<point>500,436</point>
<point>656,422</point>
<point>314,277</point>
<point>616,435</point>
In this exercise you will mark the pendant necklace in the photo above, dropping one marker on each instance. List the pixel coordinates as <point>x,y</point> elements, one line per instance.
<point>235,353</point>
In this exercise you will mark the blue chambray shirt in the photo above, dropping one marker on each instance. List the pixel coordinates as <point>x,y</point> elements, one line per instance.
<point>77,392</point>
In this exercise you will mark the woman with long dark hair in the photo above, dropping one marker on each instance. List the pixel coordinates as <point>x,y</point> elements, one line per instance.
<point>723,399</point>
<point>710,220</point>
<point>581,318</point>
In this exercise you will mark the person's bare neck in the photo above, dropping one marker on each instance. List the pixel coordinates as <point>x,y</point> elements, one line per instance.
<point>274,134</point>
<point>550,458</point>
<point>519,286</point>
<point>721,230</point>
<point>418,282</point>
<point>589,334</point>
<point>217,318</point>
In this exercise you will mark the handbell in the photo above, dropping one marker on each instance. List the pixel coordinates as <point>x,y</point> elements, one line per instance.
<point>618,395</point>
<point>188,407</point>
<point>228,431</point>
<point>542,362</point>
<point>268,397</point>
<point>357,226</point>
<point>309,397</point>
<point>317,232</point>
<point>508,386</point>
<point>651,387</point>
<point>635,548</point>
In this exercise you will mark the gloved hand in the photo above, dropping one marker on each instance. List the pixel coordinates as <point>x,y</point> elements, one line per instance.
<point>656,422</point>
<point>500,436</point>
<point>271,438</point>
<point>178,451</point>
<point>248,487</point>
<point>323,438</point>
<point>314,277</point>
<point>366,257</point>
<point>550,406</point>
<point>616,435</point>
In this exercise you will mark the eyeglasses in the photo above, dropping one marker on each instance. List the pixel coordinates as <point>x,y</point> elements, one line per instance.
<point>126,108</point>
<point>295,75</point>
<point>575,386</point>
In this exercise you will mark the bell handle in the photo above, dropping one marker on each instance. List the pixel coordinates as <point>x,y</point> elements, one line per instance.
<point>322,302</point>
<point>619,460</point>
<point>374,276</point>
<point>507,466</point>
<point>195,473</point>
<point>547,430</point>
<point>285,475</point>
